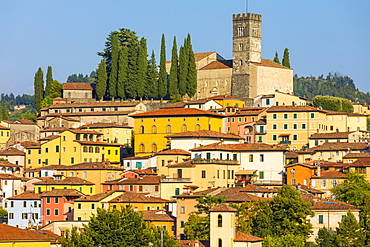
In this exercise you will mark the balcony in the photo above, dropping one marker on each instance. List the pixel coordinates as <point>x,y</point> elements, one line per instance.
<point>286,142</point>
<point>176,180</point>
<point>262,182</point>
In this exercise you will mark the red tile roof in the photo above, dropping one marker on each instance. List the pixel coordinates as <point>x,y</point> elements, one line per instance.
<point>204,134</point>
<point>97,197</point>
<point>29,144</point>
<point>76,86</point>
<point>132,197</point>
<point>192,243</point>
<point>363,162</point>
<point>62,192</point>
<point>222,208</point>
<point>243,237</point>
<point>49,138</point>
<point>83,131</point>
<point>144,180</point>
<point>67,180</point>
<point>251,188</point>
<point>98,104</point>
<point>239,147</point>
<point>10,233</point>
<point>103,125</point>
<point>176,112</point>
<point>187,163</point>
<point>157,215</point>
<point>200,56</point>
<point>61,129</point>
<point>9,177</point>
<point>98,143</point>
<point>334,135</point>
<point>4,128</point>
<point>174,105</point>
<point>356,155</point>
<point>269,63</point>
<point>27,195</point>
<point>89,166</point>
<point>174,152</point>
<point>8,164</point>
<point>293,109</point>
<point>340,146</point>
<point>225,64</point>
<point>24,121</point>
<point>332,205</point>
<point>330,174</point>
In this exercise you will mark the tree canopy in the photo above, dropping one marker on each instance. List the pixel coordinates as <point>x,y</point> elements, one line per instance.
<point>333,103</point>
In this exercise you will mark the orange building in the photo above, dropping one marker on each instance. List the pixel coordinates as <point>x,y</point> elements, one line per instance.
<point>300,173</point>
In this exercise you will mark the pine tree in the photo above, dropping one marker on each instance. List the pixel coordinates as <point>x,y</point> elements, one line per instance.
<point>191,81</point>
<point>122,71</point>
<point>4,112</point>
<point>286,59</point>
<point>101,80</point>
<point>183,70</point>
<point>365,218</point>
<point>38,88</point>
<point>49,81</point>
<point>142,67</point>
<point>162,81</point>
<point>350,232</point>
<point>152,81</point>
<point>174,72</point>
<point>113,73</point>
<point>325,238</point>
<point>276,59</point>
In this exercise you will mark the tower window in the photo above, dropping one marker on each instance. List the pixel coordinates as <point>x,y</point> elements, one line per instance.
<point>240,31</point>
<point>241,46</point>
<point>219,220</point>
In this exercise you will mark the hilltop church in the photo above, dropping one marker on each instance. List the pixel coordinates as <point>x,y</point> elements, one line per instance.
<point>247,75</point>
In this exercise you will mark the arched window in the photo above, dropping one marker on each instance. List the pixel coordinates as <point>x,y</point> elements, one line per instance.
<point>69,94</point>
<point>184,128</point>
<point>219,242</point>
<point>91,149</point>
<point>85,149</point>
<point>168,129</point>
<point>154,129</point>
<point>154,148</point>
<point>85,137</point>
<point>219,220</point>
<point>141,148</point>
<point>97,150</point>
<point>141,131</point>
<point>197,127</point>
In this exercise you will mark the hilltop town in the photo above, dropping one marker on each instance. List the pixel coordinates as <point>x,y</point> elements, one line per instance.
<point>231,165</point>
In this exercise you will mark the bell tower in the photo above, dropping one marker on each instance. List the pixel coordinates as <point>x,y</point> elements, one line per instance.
<point>247,43</point>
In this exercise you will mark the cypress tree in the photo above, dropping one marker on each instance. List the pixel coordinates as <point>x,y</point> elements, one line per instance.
<point>174,72</point>
<point>152,83</point>
<point>276,59</point>
<point>286,59</point>
<point>4,115</point>
<point>142,67</point>
<point>192,70</point>
<point>132,76</point>
<point>49,81</point>
<point>114,67</point>
<point>101,80</point>
<point>162,81</point>
<point>122,71</point>
<point>38,88</point>
<point>183,71</point>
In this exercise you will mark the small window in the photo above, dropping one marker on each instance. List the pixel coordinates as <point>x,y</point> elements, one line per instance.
<point>303,126</point>
<point>262,175</point>
<point>321,219</point>
<point>285,126</point>
<point>274,137</point>
<point>312,115</point>
<point>285,116</point>
<point>262,158</point>
<point>182,210</point>
<point>295,126</point>
<point>295,115</point>
<point>203,174</point>
<point>274,126</point>
<point>274,116</point>
<point>251,158</point>
<point>219,220</point>
<point>56,212</point>
<point>92,206</point>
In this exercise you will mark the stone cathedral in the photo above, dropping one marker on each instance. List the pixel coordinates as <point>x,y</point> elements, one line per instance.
<point>247,75</point>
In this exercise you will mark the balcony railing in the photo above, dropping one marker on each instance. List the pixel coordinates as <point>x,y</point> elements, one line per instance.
<point>176,180</point>
<point>286,142</point>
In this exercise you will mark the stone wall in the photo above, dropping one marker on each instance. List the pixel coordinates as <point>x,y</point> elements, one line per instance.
<point>213,82</point>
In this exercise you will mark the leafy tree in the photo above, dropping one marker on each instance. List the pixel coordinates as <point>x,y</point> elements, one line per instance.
<point>262,224</point>
<point>152,81</point>
<point>365,218</point>
<point>39,88</point>
<point>192,70</point>
<point>286,59</point>
<point>29,116</point>
<point>3,212</point>
<point>162,81</point>
<point>206,202</point>
<point>288,240</point>
<point>101,80</point>
<point>124,227</point>
<point>174,72</point>
<point>142,70</point>
<point>49,81</point>
<point>353,189</point>
<point>350,232</point>
<point>326,238</point>
<point>276,58</point>
<point>113,73</point>
<point>290,212</point>
<point>333,103</point>
<point>122,71</point>
<point>55,90</point>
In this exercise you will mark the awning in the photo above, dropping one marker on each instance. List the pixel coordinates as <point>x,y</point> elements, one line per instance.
<point>284,135</point>
<point>245,172</point>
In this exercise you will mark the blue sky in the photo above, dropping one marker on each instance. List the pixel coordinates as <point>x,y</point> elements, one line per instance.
<point>322,36</point>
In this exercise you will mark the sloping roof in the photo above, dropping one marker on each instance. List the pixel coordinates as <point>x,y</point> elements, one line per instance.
<point>97,197</point>
<point>103,125</point>
<point>4,128</point>
<point>49,138</point>
<point>291,155</point>
<point>10,233</point>
<point>269,63</point>
<point>59,129</point>
<point>356,155</point>
<point>187,163</point>
<point>99,104</point>
<point>251,188</point>
<point>224,64</point>
<point>133,197</point>
<point>8,164</point>
<point>193,243</point>
<point>201,55</point>
<point>62,192</point>
<point>139,181</point>
<point>90,166</point>
<point>238,195</point>
<point>98,143</point>
<point>330,174</point>
<point>363,162</point>
<point>338,146</point>
<point>334,135</point>
<point>10,177</point>
<point>157,215</point>
<point>27,195</point>
<point>83,131</point>
<point>180,104</point>
<point>204,134</point>
<point>29,144</point>
<point>239,147</point>
<point>293,109</point>
<point>243,237</point>
<point>76,86</point>
<point>67,180</point>
<point>332,205</point>
<point>24,121</point>
<point>174,152</point>
<point>173,112</point>
<point>222,208</point>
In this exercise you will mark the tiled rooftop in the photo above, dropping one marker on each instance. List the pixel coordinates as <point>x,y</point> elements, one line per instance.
<point>67,180</point>
<point>174,152</point>
<point>222,208</point>
<point>157,215</point>
<point>330,174</point>
<point>9,233</point>
<point>363,162</point>
<point>243,237</point>
<point>204,134</point>
<point>239,147</point>
<point>132,197</point>
<point>332,205</point>
<point>334,135</point>
<point>62,192</point>
<point>103,125</point>
<point>76,86</point>
<point>144,180</point>
<point>293,109</point>
<point>27,195</point>
<point>175,112</point>
<point>224,64</point>
<point>8,164</point>
<point>269,63</point>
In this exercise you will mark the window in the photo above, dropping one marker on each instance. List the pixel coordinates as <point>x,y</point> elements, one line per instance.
<point>312,115</point>
<point>219,242</point>
<point>251,158</point>
<point>285,116</point>
<point>239,119</point>
<point>177,191</point>
<point>303,126</point>
<point>305,181</point>
<point>56,212</point>
<point>57,149</point>
<point>182,224</point>
<point>334,182</point>
<point>262,158</point>
<point>295,126</point>
<point>11,216</point>
<point>235,156</point>
<point>295,137</point>
<point>141,148</point>
<point>179,173</point>
<point>84,174</point>
<point>24,216</point>
<point>267,101</point>
<point>48,211</point>
<point>92,205</point>
<point>47,199</point>
<point>184,128</point>
<point>203,174</point>
<point>274,116</point>
<point>197,127</point>
<point>154,129</point>
<point>295,115</point>
<point>29,151</point>
<point>79,218</point>
<point>321,219</point>
<point>140,188</point>
<point>323,185</point>
<point>141,129</point>
<point>35,204</point>
<point>285,126</point>
<point>156,188</point>
<point>274,137</point>
<point>131,188</point>
<point>46,150</point>
<point>219,220</point>
<point>154,148</point>
<point>72,160</point>
<point>208,155</point>
<point>274,126</point>
<point>35,216</point>
<point>24,204</point>
<point>262,175</point>
<point>182,210</point>
<point>79,206</point>
<point>56,200</point>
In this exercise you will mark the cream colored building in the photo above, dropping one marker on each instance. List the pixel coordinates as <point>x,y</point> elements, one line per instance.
<point>279,99</point>
<point>343,122</point>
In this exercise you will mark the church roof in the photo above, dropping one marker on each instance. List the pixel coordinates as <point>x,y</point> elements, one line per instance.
<point>269,63</point>
<point>225,64</point>
<point>77,86</point>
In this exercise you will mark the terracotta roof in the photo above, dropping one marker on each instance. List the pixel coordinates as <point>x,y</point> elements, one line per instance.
<point>334,135</point>
<point>4,128</point>
<point>97,197</point>
<point>293,109</point>
<point>328,164</point>
<point>9,176</point>
<point>89,166</point>
<point>133,197</point>
<point>243,237</point>
<point>91,113</point>
<point>269,63</point>
<point>140,180</point>
<point>238,195</point>
<point>291,155</point>
<point>76,86</point>
<point>187,163</point>
<point>29,144</point>
<point>343,113</point>
<point>332,205</point>
<point>61,129</point>
<point>52,167</point>
<point>98,143</point>
<point>49,138</point>
<point>251,188</point>
<point>198,193</point>
<point>175,112</point>
<point>241,113</point>
<point>137,158</point>
<point>204,134</point>
<point>239,147</point>
<point>174,105</point>
<point>67,180</point>
<point>337,146</point>
<point>83,131</point>
<point>10,233</point>
<point>356,155</point>
<point>224,64</point>
<point>174,152</point>
<point>224,97</point>
<point>222,208</point>
<point>103,125</point>
<point>330,174</point>
<point>98,104</point>
<point>27,195</point>
<point>200,56</point>
<point>62,192</point>
<point>363,162</point>
<point>143,171</point>
<point>193,243</point>
<point>24,121</point>
<point>157,215</point>
<point>8,164</point>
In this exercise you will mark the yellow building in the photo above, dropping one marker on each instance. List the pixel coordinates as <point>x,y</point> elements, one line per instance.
<point>361,166</point>
<point>293,125</point>
<point>138,201</point>
<point>168,157</point>
<point>4,136</point>
<point>326,180</point>
<point>227,100</point>
<point>160,218</point>
<point>344,122</point>
<point>360,108</point>
<point>152,127</point>
<point>61,182</point>
<point>85,207</point>
<point>71,147</point>
<point>112,133</point>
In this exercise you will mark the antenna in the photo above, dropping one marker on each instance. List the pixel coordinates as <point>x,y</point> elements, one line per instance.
<point>247,6</point>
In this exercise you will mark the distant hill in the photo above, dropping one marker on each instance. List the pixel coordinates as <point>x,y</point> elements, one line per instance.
<point>333,85</point>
